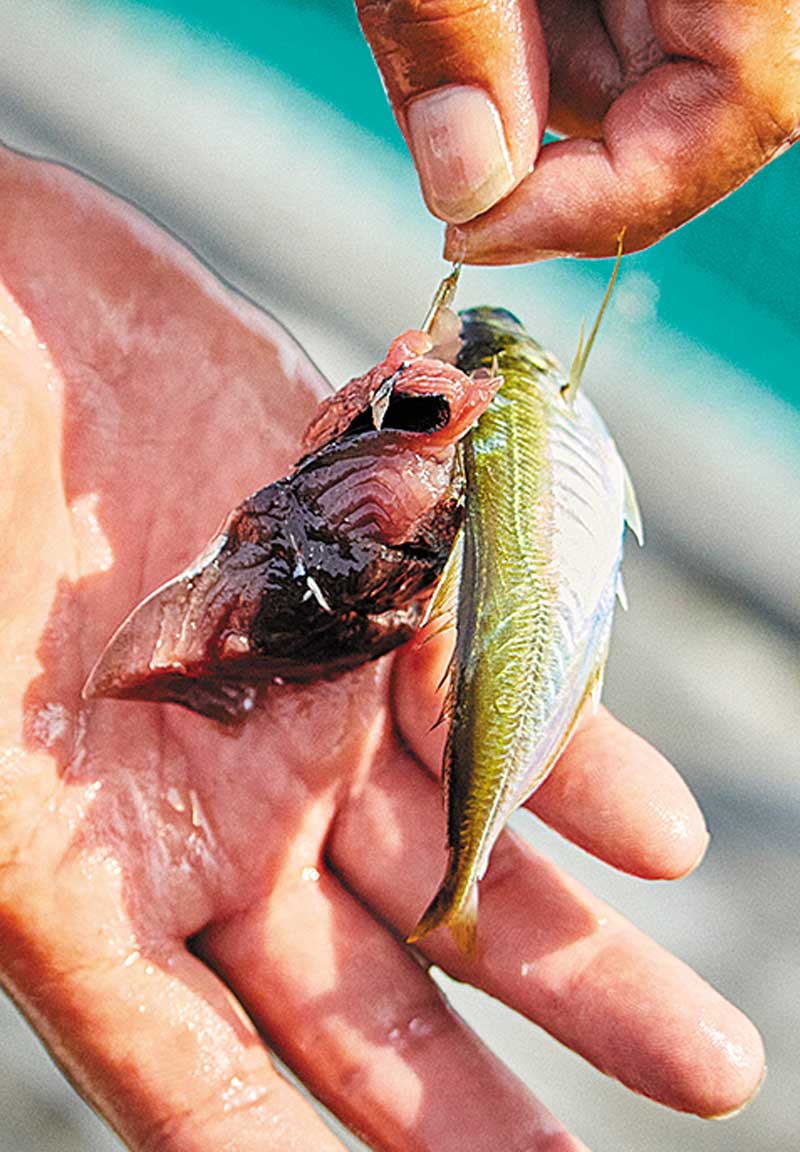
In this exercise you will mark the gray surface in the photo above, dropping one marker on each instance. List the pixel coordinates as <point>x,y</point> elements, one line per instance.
<point>705,662</point>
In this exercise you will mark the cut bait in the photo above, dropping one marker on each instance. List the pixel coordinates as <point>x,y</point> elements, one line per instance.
<point>325,569</point>
<point>547,500</point>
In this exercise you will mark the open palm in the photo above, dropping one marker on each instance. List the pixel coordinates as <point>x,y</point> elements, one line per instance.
<point>158,874</point>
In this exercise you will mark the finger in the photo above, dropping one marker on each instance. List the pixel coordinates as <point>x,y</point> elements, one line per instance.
<point>366,1029</point>
<point>672,145</point>
<point>615,796</point>
<point>468,84</point>
<point>585,67</point>
<point>610,792</point>
<point>163,1052</point>
<point>551,951</point>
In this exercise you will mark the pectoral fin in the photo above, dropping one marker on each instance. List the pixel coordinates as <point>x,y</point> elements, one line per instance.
<point>443,604</point>
<point>633,517</point>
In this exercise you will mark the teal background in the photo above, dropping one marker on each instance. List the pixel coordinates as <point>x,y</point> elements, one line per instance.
<point>728,280</point>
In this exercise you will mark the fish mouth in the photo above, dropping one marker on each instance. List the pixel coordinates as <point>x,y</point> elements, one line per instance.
<point>423,413</point>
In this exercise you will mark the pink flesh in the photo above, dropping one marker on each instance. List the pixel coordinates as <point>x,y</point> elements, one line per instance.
<point>384,490</point>
<point>415,375</point>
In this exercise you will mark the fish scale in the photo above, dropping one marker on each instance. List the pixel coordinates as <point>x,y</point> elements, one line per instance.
<point>547,499</point>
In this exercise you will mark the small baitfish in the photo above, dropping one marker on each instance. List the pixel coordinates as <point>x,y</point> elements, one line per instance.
<point>547,501</point>
<point>325,569</point>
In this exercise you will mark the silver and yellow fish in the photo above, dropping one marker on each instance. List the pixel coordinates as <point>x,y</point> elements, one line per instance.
<point>547,501</point>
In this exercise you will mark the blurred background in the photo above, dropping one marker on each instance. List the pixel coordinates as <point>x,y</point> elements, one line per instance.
<point>259,134</point>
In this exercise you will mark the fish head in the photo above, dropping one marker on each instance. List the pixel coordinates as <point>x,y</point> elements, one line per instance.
<point>324,569</point>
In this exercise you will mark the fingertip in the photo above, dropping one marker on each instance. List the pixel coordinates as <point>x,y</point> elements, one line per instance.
<point>738,1107</point>
<point>616,797</point>
<point>665,1032</point>
<point>503,235</point>
<point>469,85</point>
<point>691,851</point>
<point>672,837</point>
<point>734,1065</point>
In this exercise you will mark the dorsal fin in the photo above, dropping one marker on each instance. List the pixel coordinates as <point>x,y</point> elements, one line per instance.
<point>570,389</point>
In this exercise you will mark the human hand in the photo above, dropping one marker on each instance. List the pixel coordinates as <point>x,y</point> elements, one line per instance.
<point>666,106</point>
<point>140,401</point>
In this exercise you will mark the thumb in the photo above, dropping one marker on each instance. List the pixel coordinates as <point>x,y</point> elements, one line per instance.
<point>468,82</point>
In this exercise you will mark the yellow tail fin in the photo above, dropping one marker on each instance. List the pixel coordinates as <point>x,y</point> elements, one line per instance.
<point>461,918</point>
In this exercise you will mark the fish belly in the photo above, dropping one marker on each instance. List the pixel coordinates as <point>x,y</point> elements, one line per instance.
<point>544,616</point>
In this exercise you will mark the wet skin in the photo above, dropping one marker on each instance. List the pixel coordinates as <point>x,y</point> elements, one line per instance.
<point>665,107</point>
<point>155,868</point>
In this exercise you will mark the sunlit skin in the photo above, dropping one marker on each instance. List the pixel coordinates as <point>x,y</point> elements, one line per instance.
<point>666,106</point>
<point>141,401</point>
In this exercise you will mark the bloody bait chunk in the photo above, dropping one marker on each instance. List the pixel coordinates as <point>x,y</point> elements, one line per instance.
<point>324,569</point>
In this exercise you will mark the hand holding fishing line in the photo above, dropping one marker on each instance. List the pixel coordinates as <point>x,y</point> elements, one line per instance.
<point>666,107</point>
<point>295,856</point>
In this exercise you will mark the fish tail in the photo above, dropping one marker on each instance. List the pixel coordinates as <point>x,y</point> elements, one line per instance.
<point>459,915</point>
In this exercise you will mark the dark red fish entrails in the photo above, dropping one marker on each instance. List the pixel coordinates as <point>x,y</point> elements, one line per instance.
<point>324,569</point>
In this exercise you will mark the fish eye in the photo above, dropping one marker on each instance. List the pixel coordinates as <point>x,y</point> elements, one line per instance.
<point>428,413</point>
<point>406,413</point>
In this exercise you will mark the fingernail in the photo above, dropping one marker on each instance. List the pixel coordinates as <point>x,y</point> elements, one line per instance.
<point>460,151</point>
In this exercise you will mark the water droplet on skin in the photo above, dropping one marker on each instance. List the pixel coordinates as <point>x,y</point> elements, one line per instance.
<point>197,811</point>
<point>736,1053</point>
<point>149,970</point>
<point>238,1093</point>
<point>175,800</point>
<point>131,958</point>
<point>92,789</point>
<point>418,1026</point>
<point>602,921</point>
<point>310,874</point>
<point>7,332</point>
<point>50,724</point>
<point>525,968</point>
<point>92,548</point>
